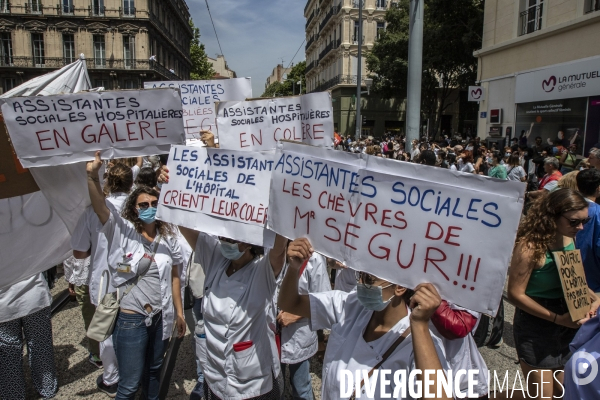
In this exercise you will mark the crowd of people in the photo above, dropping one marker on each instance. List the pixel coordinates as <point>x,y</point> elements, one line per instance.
<point>256,313</point>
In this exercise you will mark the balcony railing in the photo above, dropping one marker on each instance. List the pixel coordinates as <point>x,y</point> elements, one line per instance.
<point>310,18</point>
<point>311,66</point>
<point>339,80</point>
<point>65,9</point>
<point>92,63</point>
<point>332,11</point>
<point>97,11</point>
<point>310,41</point>
<point>332,45</point>
<point>46,9</point>
<point>591,6</point>
<point>34,8</point>
<point>531,19</point>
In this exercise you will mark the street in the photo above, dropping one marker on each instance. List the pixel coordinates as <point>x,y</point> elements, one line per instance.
<point>77,377</point>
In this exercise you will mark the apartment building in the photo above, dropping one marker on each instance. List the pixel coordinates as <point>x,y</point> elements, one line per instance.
<point>277,75</point>
<point>125,42</point>
<point>221,68</point>
<point>539,71</point>
<point>332,62</point>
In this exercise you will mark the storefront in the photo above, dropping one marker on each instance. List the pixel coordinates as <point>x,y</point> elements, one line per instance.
<point>542,102</point>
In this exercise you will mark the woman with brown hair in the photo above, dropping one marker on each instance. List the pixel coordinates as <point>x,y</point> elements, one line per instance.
<point>145,260</point>
<point>514,171</point>
<point>542,324</point>
<point>467,162</point>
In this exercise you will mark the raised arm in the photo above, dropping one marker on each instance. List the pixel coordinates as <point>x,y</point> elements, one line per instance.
<point>289,300</point>
<point>277,254</point>
<point>96,195</point>
<point>423,304</point>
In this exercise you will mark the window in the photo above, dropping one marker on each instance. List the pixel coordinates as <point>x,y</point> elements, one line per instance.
<point>35,6</point>
<point>128,8</point>
<point>67,6</point>
<point>592,5</point>
<point>37,40</point>
<point>531,17</point>
<point>380,29</point>
<point>129,84</point>
<point>4,6</point>
<point>381,4</point>
<point>128,50</point>
<point>101,83</point>
<point>97,7</point>
<point>6,49</point>
<point>355,36</point>
<point>99,51</point>
<point>68,48</point>
<point>8,84</point>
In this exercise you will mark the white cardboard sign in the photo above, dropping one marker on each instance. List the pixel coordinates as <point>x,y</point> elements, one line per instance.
<point>402,222</point>
<point>260,124</point>
<point>68,128</point>
<point>226,185</point>
<point>198,99</point>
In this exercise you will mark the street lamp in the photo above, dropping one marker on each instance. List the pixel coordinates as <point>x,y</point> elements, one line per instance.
<point>299,83</point>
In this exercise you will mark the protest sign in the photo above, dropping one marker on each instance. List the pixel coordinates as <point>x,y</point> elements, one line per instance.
<point>198,99</point>
<point>226,184</point>
<point>259,124</point>
<point>68,128</point>
<point>405,223</point>
<point>574,284</point>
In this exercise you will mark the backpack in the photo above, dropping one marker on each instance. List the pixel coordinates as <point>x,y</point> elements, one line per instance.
<point>490,329</point>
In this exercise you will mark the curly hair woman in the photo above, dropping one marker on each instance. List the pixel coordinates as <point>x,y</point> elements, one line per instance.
<point>542,325</point>
<point>145,259</point>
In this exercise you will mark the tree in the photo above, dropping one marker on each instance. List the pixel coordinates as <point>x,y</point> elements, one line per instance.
<point>451,33</point>
<point>289,86</point>
<point>201,67</point>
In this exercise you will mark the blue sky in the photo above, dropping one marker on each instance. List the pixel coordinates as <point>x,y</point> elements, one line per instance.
<point>254,34</point>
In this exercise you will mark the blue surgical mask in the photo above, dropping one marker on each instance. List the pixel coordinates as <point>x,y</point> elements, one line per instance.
<point>371,297</point>
<point>148,215</point>
<point>231,251</point>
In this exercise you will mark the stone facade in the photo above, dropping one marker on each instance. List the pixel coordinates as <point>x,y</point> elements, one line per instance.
<point>221,68</point>
<point>125,42</point>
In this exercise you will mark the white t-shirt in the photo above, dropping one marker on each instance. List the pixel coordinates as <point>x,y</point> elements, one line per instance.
<point>515,173</point>
<point>86,236</point>
<point>24,298</point>
<point>467,167</point>
<point>453,167</point>
<point>347,350</point>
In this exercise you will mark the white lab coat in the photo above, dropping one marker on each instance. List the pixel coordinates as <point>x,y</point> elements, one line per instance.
<point>347,350</point>
<point>233,308</point>
<point>122,238</point>
<point>86,236</point>
<point>298,341</point>
<point>345,280</point>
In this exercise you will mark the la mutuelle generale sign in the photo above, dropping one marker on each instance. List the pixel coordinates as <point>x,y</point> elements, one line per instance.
<point>577,79</point>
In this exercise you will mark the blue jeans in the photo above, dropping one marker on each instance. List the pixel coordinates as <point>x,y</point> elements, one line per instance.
<point>300,380</point>
<point>193,315</point>
<point>140,351</point>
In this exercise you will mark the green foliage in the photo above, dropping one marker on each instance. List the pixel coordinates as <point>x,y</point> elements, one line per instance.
<point>289,86</point>
<point>201,67</point>
<point>451,33</point>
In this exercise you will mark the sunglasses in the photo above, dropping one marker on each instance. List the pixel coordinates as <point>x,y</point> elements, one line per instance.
<point>575,222</point>
<point>144,205</point>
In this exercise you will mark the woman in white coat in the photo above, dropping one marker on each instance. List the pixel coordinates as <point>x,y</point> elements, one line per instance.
<point>143,256</point>
<point>366,326</point>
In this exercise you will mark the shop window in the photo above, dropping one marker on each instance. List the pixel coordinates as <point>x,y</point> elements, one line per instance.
<point>8,84</point>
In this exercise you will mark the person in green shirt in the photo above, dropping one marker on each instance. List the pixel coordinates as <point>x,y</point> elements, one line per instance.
<point>498,170</point>
<point>542,325</point>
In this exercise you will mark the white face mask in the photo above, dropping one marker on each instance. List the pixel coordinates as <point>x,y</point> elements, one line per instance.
<point>231,251</point>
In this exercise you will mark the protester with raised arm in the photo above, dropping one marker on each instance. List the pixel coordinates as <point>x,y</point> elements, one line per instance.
<point>371,328</point>
<point>240,359</point>
<point>145,261</point>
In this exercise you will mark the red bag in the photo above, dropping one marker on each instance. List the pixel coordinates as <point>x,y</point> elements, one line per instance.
<point>241,346</point>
